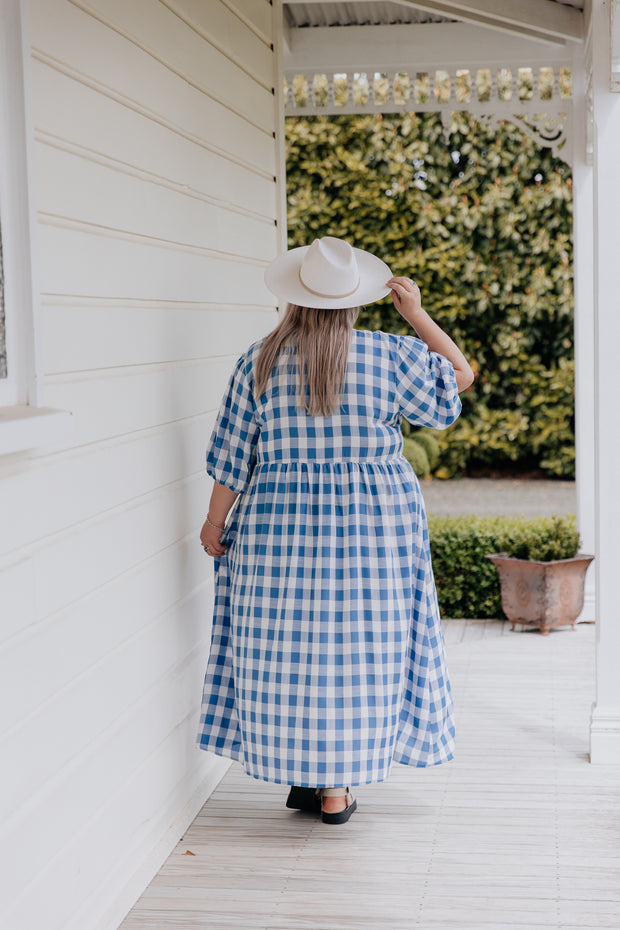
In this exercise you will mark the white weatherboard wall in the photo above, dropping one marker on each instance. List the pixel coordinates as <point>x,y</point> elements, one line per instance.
<point>156,196</point>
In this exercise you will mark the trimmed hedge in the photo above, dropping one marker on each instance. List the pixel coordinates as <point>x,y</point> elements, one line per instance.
<point>417,456</point>
<point>421,450</point>
<point>467,582</point>
<point>426,439</point>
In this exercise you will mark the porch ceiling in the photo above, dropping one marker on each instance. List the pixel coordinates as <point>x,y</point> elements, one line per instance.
<point>365,13</point>
<point>548,21</point>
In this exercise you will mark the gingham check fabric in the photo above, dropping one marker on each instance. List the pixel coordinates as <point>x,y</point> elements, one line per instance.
<point>327,660</point>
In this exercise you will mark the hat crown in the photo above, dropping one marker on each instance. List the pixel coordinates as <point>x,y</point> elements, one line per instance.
<point>328,274</point>
<point>329,268</point>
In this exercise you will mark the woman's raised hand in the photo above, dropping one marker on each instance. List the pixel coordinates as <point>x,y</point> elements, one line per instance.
<point>407,300</point>
<point>406,296</point>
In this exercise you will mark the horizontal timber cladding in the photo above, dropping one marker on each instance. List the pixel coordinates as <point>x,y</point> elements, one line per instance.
<point>106,706</point>
<point>154,331</point>
<point>144,51</point>
<point>116,263</point>
<point>146,461</point>
<point>81,561</point>
<point>137,398</point>
<point>102,194</point>
<point>152,775</point>
<point>137,142</point>
<point>156,152</point>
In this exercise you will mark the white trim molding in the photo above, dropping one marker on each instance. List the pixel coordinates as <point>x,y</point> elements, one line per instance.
<point>16,209</point>
<point>614,12</point>
<point>533,19</point>
<point>24,421</point>
<point>605,735</point>
<point>416,46</point>
<point>605,720</point>
<point>23,426</point>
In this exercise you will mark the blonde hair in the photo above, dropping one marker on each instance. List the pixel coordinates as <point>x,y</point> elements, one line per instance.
<point>322,339</point>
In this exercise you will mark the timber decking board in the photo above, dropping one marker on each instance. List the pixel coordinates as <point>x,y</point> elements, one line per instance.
<point>518,831</point>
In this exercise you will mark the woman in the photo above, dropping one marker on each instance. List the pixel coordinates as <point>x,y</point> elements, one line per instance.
<point>327,662</point>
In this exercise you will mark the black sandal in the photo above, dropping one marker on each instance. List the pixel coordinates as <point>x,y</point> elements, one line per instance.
<point>304,799</point>
<point>340,816</point>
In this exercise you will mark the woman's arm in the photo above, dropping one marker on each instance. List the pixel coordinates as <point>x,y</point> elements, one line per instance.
<point>407,300</point>
<point>222,499</point>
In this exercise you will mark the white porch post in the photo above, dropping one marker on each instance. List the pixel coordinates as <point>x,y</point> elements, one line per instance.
<point>605,720</point>
<point>583,207</point>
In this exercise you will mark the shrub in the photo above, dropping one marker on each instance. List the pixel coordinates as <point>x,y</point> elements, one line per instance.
<point>430,445</point>
<point>545,539</point>
<point>415,453</point>
<point>467,582</point>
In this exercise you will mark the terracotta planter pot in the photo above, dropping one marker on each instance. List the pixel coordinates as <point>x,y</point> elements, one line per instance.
<point>542,594</point>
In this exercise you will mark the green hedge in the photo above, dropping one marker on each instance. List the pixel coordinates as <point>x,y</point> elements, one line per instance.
<point>482,218</point>
<point>467,582</point>
<point>422,450</point>
<point>417,456</point>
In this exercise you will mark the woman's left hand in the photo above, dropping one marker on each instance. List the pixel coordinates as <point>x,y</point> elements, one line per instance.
<point>210,539</point>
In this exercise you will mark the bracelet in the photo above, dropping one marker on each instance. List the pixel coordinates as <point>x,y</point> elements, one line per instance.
<point>215,526</point>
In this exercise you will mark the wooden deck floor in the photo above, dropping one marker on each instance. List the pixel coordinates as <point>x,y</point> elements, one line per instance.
<point>518,831</point>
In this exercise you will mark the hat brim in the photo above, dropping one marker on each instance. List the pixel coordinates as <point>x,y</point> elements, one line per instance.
<point>282,279</point>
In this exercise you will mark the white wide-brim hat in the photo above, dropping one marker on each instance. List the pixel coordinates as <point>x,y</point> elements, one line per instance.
<point>328,274</point>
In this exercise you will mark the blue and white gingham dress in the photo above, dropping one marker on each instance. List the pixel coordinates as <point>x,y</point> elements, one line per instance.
<point>327,660</point>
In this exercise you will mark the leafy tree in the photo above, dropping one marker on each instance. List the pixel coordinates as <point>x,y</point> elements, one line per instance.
<point>483,224</point>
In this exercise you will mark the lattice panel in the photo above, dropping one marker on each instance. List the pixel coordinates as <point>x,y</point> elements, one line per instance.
<point>363,92</point>
<point>538,100</point>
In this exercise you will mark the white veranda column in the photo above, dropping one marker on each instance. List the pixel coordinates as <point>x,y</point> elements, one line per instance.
<point>583,193</point>
<point>605,722</point>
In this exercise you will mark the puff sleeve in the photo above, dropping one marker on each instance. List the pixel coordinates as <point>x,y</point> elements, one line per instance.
<point>231,453</point>
<point>426,389</point>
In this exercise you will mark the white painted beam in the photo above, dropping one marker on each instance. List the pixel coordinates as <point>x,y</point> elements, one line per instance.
<point>605,720</point>
<point>534,18</point>
<point>284,31</point>
<point>585,375</point>
<point>421,47</point>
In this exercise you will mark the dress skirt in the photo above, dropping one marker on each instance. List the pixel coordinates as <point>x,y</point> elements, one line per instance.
<point>327,661</point>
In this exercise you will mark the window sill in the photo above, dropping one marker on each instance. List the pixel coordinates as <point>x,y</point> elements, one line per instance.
<point>24,427</point>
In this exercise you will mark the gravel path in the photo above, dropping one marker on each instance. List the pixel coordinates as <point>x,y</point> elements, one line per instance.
<point>491,497</point>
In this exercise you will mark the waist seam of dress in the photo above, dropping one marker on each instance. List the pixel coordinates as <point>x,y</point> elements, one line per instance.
<point>362,460</point>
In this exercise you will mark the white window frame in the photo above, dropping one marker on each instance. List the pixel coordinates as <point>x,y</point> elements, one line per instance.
<point>24,420</point>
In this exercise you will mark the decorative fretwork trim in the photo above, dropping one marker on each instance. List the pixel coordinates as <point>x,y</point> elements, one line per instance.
<point>539,102</point>
<point>547,130</point>
<point>373,92</point>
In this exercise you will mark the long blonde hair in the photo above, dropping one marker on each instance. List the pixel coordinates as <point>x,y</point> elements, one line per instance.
<point>322,339</point>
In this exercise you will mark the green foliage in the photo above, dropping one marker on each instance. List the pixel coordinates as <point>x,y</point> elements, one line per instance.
<point>467,582</point>
<point>416,455</point>
<point>483,224</point>
<point>544,539</point>
<point>425,438</point>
